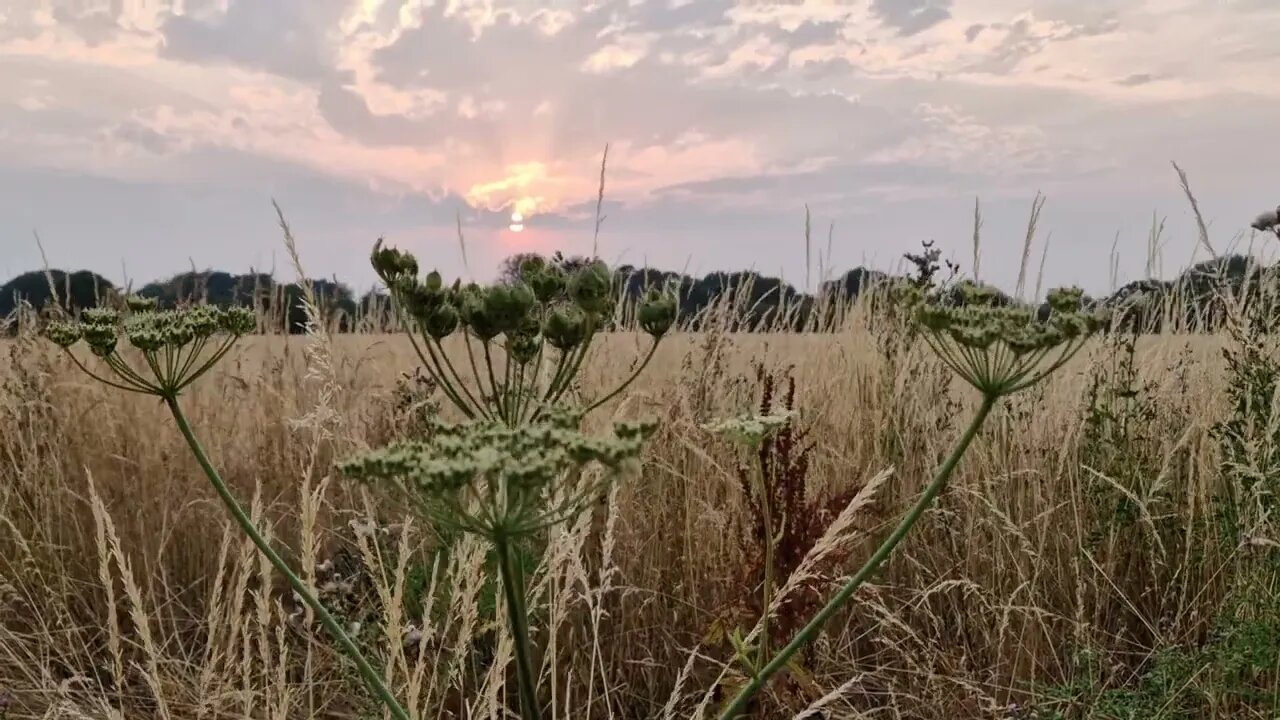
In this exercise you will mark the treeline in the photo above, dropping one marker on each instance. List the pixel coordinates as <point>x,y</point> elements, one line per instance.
<point>1198,300</point>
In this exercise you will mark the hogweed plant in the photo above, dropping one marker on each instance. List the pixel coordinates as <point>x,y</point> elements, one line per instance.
<point>518,463</point>
<point>998,351</point>
<point>163,352</point>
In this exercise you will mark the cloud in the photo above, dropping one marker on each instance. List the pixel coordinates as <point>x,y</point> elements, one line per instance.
<point>287,38</point>
<point>1136,79</point>
<point>723,117</point>
<point>911,16</point>
<point>132,135</point>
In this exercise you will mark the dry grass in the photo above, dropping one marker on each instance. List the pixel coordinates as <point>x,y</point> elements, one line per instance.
<point>124,591</point>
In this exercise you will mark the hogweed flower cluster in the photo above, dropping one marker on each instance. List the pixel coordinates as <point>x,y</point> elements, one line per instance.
<point>175,347</point>
<point>488,478</point>
<point>511,330</point>
<point>750,430</point>
<point>1001,350</point>
<point>518,463</point>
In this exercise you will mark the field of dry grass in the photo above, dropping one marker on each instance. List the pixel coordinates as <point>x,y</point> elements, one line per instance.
<point>126,592</point>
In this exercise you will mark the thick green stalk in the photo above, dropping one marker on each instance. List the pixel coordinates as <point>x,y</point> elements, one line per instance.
<point>810,631</point>
<point>518,621</point>
<point>371,677</point>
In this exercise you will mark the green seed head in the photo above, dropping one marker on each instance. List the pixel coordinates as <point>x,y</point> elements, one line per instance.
<point>205,320</point>
<point>238,321</point>
<point>100,316</point>
<point>906,295</point>
<point>100,337</point>
<point>178,331</point>
<point>442,321</point>
<point>565,327</point>
<point>145,331</point>
<point>523,348</point>
<point>547,282</point>
<point>977,338</point>
<point>591,288</point>
<point>532,265</point>
<point>1066,300</point>
<point>391,264</point>
<point>657,313</point>
<point>475,315</point>
<point>434,282</point>
<point>63,334</point>
<point>419,297</point>
<point>975,295</point>
<point>509,306</point>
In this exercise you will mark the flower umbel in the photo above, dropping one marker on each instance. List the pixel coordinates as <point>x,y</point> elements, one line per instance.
<point>750,430</point>
<point>1001,350</point>
<point>488,478</point>
<point>175,347</point>
<point>525,340</point>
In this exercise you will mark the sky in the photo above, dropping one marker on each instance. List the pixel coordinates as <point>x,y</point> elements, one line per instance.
<point>140,138</point>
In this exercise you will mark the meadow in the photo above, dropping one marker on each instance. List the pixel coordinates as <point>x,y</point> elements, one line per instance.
<point>1076,566</point>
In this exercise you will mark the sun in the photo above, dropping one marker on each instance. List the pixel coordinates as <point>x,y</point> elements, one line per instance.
<point>517,222</point>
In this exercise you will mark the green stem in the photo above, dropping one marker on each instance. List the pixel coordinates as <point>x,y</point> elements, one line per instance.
<point>518,620</point>
<point>499,400</point>
<point>810,631</point>
<point>370,675</point>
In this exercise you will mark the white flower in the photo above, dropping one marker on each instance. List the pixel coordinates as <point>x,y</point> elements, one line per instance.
<point>751,429</point>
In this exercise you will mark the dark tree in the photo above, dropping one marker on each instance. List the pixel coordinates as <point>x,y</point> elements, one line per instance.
<point>75,291</point>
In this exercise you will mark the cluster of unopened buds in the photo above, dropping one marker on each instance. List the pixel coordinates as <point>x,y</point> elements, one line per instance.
<point>547,306</point>
<point>176,347</point>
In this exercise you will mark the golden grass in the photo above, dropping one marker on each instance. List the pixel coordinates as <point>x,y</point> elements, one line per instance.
<point>124,591</point>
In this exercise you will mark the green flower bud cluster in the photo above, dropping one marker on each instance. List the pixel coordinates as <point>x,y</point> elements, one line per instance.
<point>173,342</point>
<point>657,313</point>
<point>545,301</point>
<point>1001,350</point>
<point>545,306</point>
<point>488,477</point>
<point>390,264</point>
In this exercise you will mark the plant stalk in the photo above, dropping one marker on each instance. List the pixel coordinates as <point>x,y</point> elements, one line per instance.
<point>518,621</point>
<point>766,593</point>
<point>371,677</point>
<point>810,631</point>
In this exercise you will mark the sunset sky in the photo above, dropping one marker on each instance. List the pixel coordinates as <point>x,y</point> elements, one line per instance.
<point>141,136</point>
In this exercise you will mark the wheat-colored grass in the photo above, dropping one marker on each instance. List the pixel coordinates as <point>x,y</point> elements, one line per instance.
<point>126,594</point>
